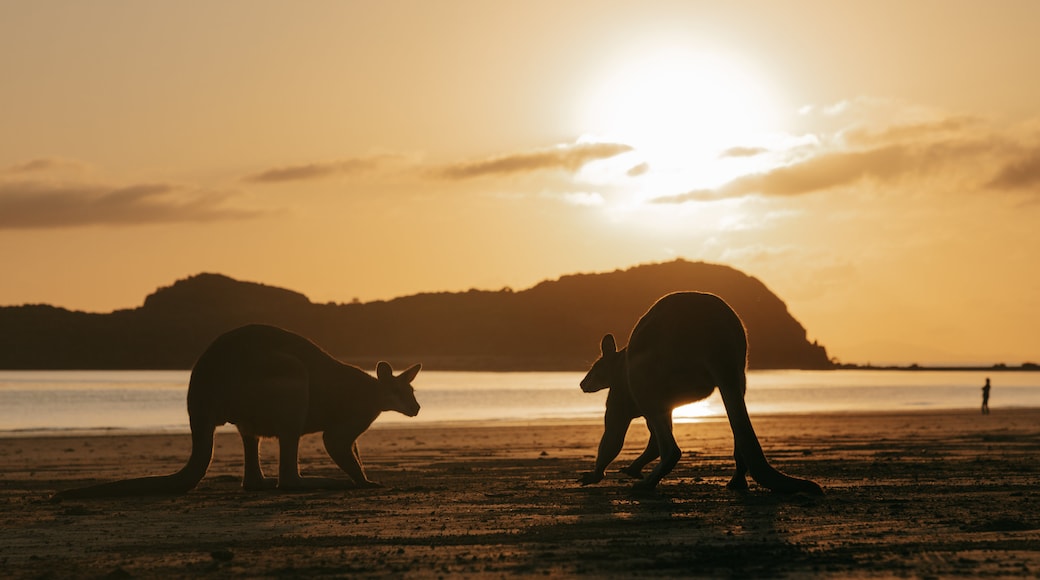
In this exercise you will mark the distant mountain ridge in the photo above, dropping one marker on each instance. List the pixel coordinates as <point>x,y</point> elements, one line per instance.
<point>555,325</point>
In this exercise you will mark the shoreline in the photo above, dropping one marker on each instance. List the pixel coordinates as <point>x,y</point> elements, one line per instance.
<point>916,493</point>
<point>404,424</point>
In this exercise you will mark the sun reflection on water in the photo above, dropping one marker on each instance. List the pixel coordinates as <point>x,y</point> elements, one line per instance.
<point>698,412</point>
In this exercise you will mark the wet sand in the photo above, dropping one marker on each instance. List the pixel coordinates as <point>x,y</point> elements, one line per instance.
<point>930,494</point>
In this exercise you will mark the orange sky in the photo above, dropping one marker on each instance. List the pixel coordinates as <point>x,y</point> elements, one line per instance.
<point>876,164</point>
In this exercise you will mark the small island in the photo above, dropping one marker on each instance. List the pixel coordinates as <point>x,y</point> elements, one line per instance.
<point>555,325</point>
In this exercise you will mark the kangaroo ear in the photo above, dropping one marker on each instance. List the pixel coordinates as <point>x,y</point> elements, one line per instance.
<point>608,346</point>
<point>409,375</point>
<point>383,371</point>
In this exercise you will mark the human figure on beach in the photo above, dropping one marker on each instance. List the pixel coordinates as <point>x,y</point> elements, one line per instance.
<point>985,397</point>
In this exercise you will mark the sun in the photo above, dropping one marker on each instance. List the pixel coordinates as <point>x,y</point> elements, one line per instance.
<point>680,108</point>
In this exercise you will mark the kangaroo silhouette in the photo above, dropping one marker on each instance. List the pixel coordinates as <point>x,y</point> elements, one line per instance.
<point>270,382</point>
<point>680,350</point>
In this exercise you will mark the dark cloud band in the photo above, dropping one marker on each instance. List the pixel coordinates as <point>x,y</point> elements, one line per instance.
<point>569,158</point>
<point>31,205</point>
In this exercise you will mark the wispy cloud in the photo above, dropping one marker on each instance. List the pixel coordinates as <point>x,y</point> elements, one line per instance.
<point>1020,173</point>
<point>743,152</point>
<point>45,165</point>
<point>37,205</point>
<point>818,173</point>
<point>564,157</point>
<point>321,170</point>
<point>907,132</point>
<point>570,158</point>
<point>956,148</point>
<point>637,170</point>
<point>692,195</point>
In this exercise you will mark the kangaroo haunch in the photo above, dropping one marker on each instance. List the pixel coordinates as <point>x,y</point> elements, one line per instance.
<point>271,382</point>
<point>680,350</point>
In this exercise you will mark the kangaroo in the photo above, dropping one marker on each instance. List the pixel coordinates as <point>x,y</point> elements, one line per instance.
<point>270,382</point>
<point>680,350</point>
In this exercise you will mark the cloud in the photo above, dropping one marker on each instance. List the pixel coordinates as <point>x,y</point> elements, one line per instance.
<point>564,157</point>
<point>637,170</point>
<point>743,152</point>
<point>312,171</point>
<point>903,133</point>
<point>831,170</point>
<point>954,151</point>
<point>817,173</point>
<point>45,164</point>
<point>694,195</point>
<point>1021,173</point>
<point>37,205</point>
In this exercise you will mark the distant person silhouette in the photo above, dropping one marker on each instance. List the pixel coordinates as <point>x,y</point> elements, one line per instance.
<point>985,397</point>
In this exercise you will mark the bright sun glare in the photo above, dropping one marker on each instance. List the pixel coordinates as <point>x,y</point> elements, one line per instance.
<point>680,109</point>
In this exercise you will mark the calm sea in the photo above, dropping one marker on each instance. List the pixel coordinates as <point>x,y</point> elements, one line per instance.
<point>35,402</point>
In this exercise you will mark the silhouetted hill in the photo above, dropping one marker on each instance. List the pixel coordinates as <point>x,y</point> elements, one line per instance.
<point>556,325</point>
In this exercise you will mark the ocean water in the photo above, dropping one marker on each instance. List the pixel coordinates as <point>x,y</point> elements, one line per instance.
<point>44,402</point>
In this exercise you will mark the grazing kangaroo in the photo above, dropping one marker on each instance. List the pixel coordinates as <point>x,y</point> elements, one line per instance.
<point>273,383</point>
<point>680,350</point>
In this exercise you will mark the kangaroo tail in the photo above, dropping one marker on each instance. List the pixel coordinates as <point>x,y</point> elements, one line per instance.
<point>748,447</point>
<point>180,482</point>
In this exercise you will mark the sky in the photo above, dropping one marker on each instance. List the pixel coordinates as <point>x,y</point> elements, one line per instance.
<point>876,164</point>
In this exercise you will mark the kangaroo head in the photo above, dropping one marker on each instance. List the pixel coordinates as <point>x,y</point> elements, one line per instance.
<point>397,393</point>
<point>607,370</point>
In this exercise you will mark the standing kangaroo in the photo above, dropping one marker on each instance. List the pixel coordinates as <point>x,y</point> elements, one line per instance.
<point>680,350</point>
<point>273,383</point>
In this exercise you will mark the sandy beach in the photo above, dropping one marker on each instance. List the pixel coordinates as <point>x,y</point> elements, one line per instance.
<point>930,494</point>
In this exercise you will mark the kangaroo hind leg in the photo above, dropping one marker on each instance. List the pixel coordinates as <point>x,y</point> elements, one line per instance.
<point>652,452</point>
<point>253,476</point>
<point>660,424</point>
<point>748,454</point>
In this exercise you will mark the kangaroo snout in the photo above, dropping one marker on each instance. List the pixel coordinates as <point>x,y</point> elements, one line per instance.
<point>591,386</point>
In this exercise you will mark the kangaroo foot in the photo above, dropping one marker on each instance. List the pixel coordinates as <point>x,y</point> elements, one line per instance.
<point>591,478</point>
<point>262,484</point>
<point>738,484</point>
<point>633,472</point>
<point>644,485</point>
<point>796,485</point>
